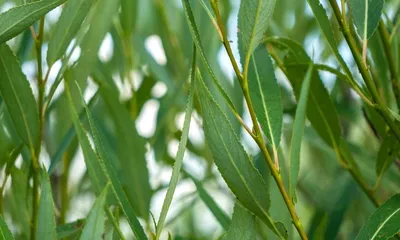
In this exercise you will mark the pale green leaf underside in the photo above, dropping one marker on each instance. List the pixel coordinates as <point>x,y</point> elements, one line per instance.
<point>18,97</point>
<point>243,225</point>
<point>366,15</point>
<point>232,160</point>
<point>298,131</point>
<point>384,222</point>
<point>17,19</point>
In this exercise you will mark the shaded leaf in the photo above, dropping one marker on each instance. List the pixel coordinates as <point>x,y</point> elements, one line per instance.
<point>17,19</point>
<point>388,152</point>
<point>18,97</point>
<point>384,222</point>
<point>366,15</point>
<point>70,229</point>
<point>233,162</point>
<point>243,225</point>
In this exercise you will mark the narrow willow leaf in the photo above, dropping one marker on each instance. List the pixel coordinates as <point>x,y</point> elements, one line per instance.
<point>66,28</point>
<point>366,15</point>
<point>388,152</point>
<point>94,226</point>
<point>4,231</point>
<point>131,152</point>
<point>17,19</point>
<point>265,95</point>
<point>243,225</point>
<point>128,15</point>
<point>218,213</point>
<point>384,222</point>
<point>106,166</point>
<point>70,229</point>
<point>324,24</point>
<point>233,162</point>
<point>321,111</point>
<point>179,155</point>
<point>18,97</point>
<point>253,20</point>
<point>46,226</point>
<point>298,131</point>
<point>199,46</point>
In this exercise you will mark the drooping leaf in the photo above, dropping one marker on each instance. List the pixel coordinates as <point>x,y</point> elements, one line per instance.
<point>265,95</point>
<point>233,162</point>
<point>46,225</point>
<point>4,230</point>
<point>320,110</point>
<point>388,152</point>
<point>106,166</point>
<point>243,225</point>
<point>253,20</point>
<point>18,97</point>
<point>181,151</point>
<point>384,222</point>
<point>366,15</point>
<point>17,19</point>
<point>298,130</point>
<point>66,28</point>
<point>94,225</point>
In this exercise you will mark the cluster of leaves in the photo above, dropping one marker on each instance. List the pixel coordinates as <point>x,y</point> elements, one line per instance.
<point>333,105</point>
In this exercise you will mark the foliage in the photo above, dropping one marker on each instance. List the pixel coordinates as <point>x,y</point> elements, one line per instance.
<point>290,119</point>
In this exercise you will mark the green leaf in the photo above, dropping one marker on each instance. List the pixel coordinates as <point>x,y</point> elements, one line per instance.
<point>366,15</point>
<point>199,46</point>
<point>66,28</point>
<point>243,225</point>
<point>17,19</point>
<point>265,96</point>
<point>233,162</point>
<point>128,15</point>
<point>384,222</point>
<point>320,109</point>
<point>4,231</point>
<point>254,17</point>
<point>181,151</point>
<point>106,166</point>
<point>46,226</point>
<point>94,226</point>
<point>298,131</point>
<point>18,97</point>
<point>388,152</point>
<point>218,213</point>
<point>70,229</point>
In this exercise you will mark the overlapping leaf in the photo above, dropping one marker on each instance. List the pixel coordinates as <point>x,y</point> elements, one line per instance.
<point>243,225</point>
<point>366,15</point>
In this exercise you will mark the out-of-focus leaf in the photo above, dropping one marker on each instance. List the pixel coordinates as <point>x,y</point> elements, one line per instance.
<point>46,225</point>
<point>384,222</point>
<point>17,19</point>
<point>70,229</point>
<point>108,171</point>
<point>243,225</point>
<point>94,225</point>
<point>18,97</point>
<point>320,110</point>
<point>233,162</point>
<point>67,26</point>
<point>253,20</point>
<point>366,15</point>
<point>298,130</point>
<point>4,231</point>
<point>128,15</point>
<point>181,151</point>
<point>265,96</point>
<point>388,152</point>
<point>218,213</point>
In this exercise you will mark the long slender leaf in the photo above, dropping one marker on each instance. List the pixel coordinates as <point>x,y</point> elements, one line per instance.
<point>243,225</point>
<point>180,154</point>
<point>4,231</point>
<point>67,26</point>
<point>18,97</point>
<point>94,225</point>
<point>384,222</point>
<point>298,130</point>
<point>17,19</point>
<point>106,166</point>
<point>233,162</point>
<point>46,226</point>
<point>366,15</point>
